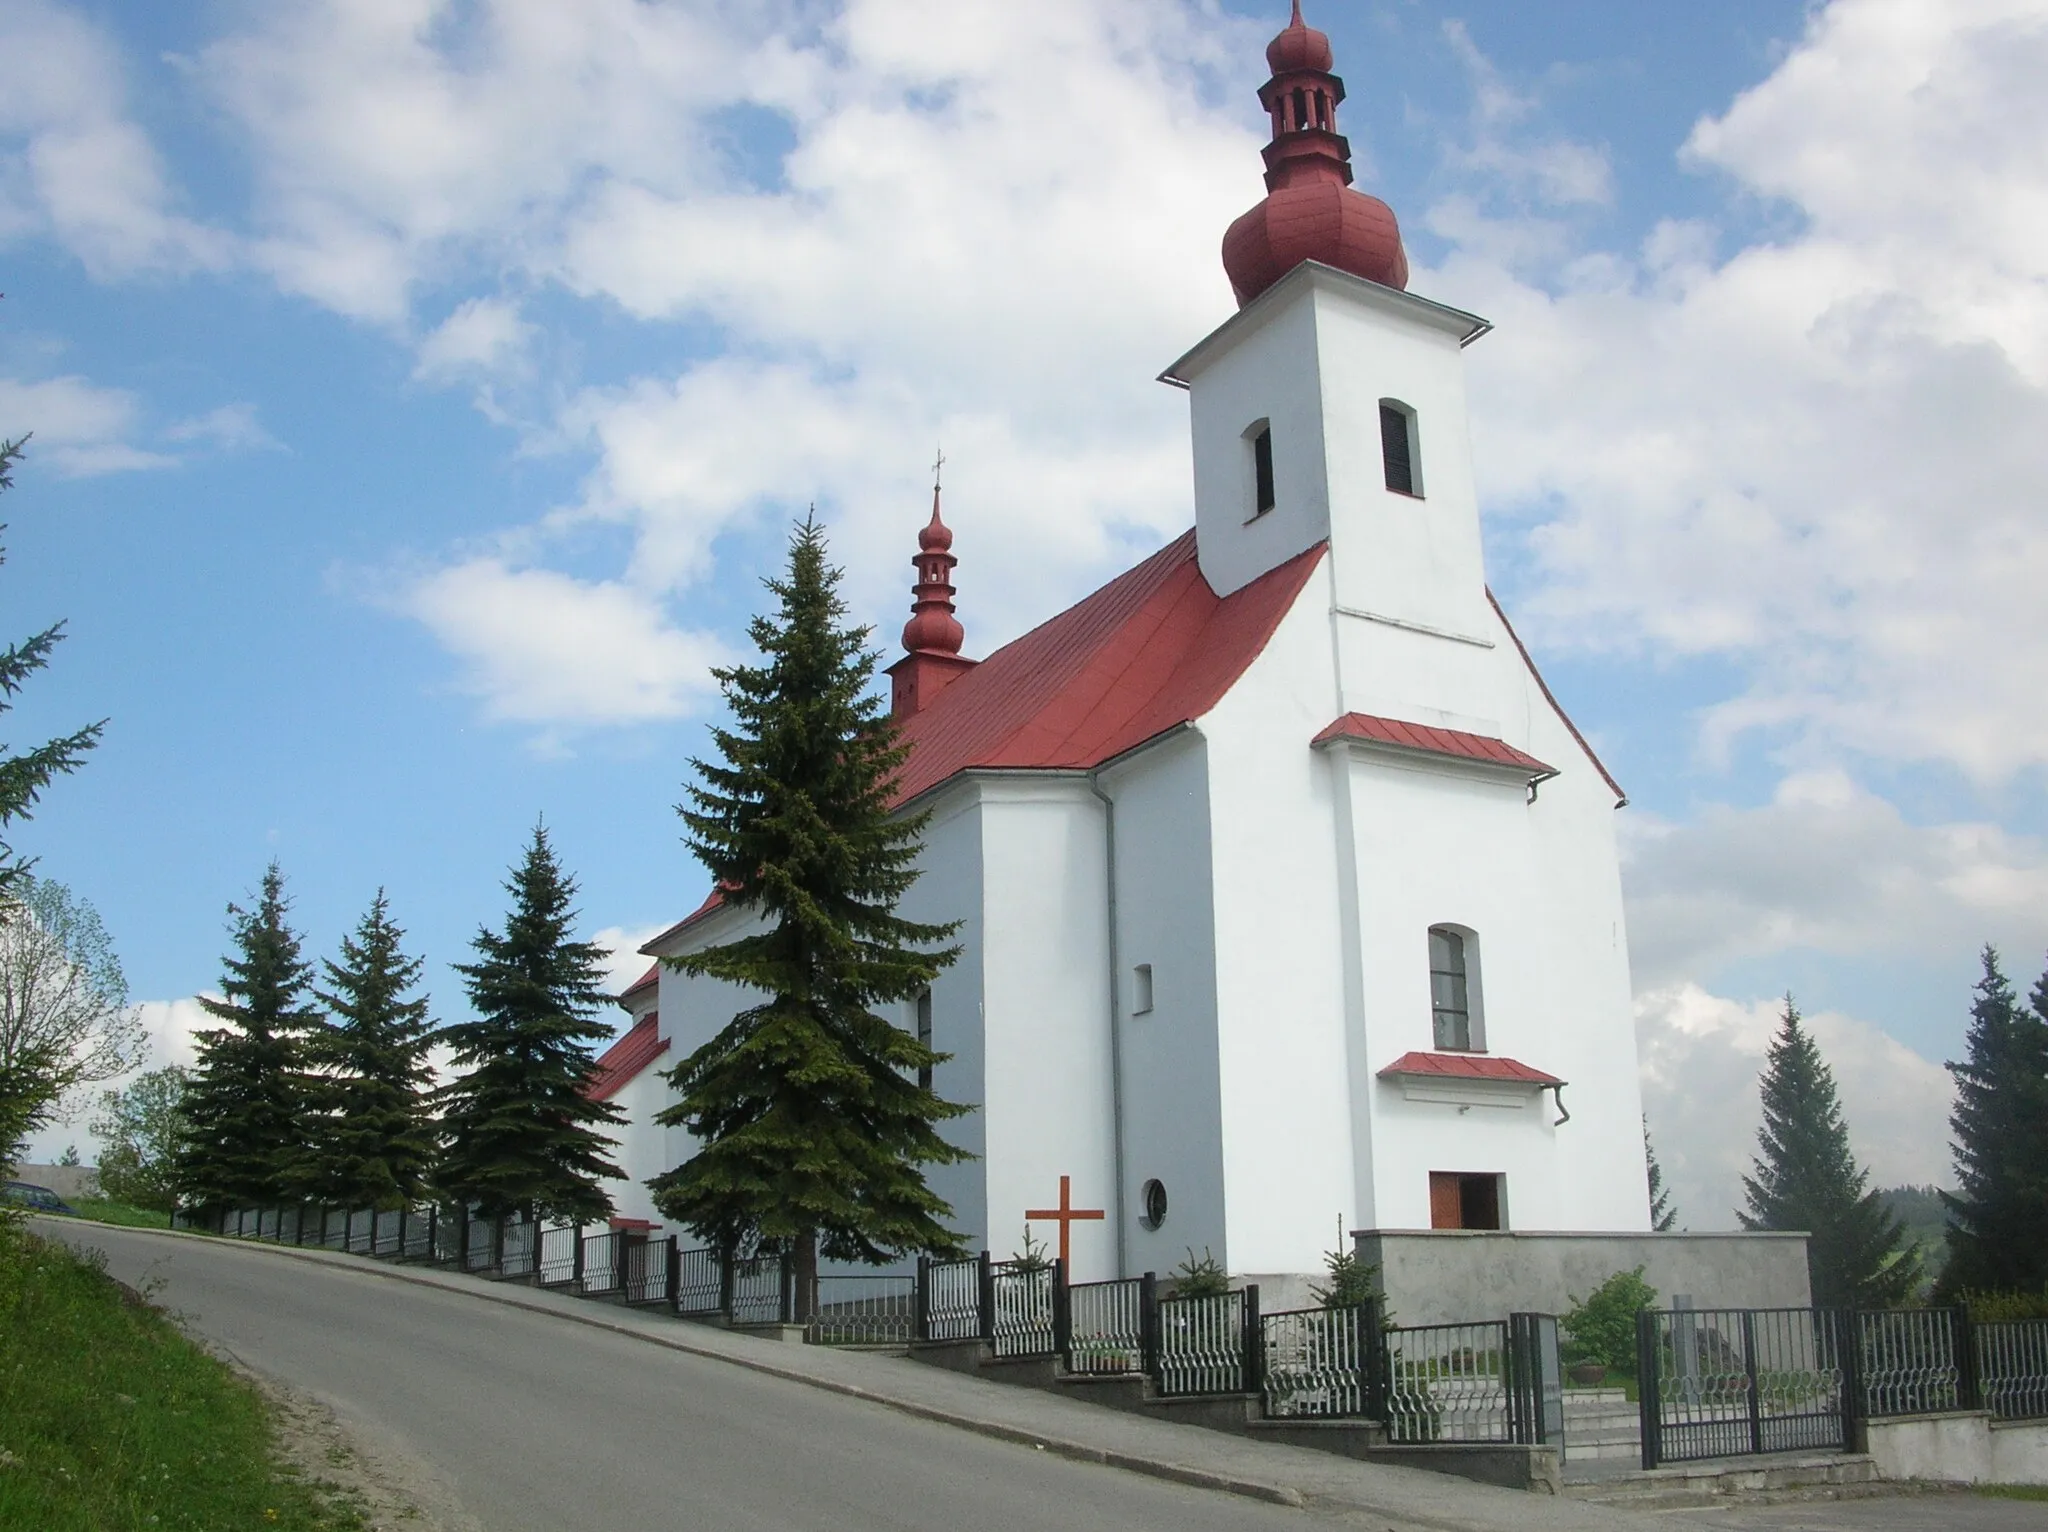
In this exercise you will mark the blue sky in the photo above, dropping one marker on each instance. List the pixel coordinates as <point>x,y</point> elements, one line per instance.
<point>420,390</point>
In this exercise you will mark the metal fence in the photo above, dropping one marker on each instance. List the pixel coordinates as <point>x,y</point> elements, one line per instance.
<point>556,1264</point>
<point>1021,1303</point>
<point>863,1311</point>
<point>1913,1361</point>
<point>949,1299</point>
<point>1732,1382</point>
<point>648,1268</point>
<point>1208,1345</point>
<point>1448,1383</point>
<point>1105,1325</point>
<point>700,1283</point>
<point>518,1249</point>
<point>762,1291</point>
<point>603,1271</point>
<point>1324,1362</point>
<point>2012,1368</point>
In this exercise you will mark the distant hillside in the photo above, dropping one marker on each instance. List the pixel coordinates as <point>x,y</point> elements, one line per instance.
<point>1926,1221</point>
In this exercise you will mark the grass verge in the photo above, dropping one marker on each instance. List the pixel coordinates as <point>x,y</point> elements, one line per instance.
<point>99,1210</point>
<point>110,1420</point>
<point>2014,1491</point>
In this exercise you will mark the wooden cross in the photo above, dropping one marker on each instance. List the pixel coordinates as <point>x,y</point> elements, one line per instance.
<point>1066,1215</point>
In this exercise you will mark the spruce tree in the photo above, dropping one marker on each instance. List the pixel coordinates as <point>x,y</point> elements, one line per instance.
<point>249,1099</point>
<point>1998,1214</point>
<point>1806,1178</point>
<point>23,777</point>
<point>813,1128</point>
<point>517,1132</point>
<point>1663,1216</point>
<point>375,1142</point>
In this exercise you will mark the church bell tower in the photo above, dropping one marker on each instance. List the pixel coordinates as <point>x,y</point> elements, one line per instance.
<point>1331,407</point>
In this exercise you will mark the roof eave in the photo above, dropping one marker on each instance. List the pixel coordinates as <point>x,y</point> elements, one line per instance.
<point>1463,327</point>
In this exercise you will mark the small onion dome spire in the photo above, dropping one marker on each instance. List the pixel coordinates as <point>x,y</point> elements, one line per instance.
<point>933,629</point>
<point>1310,212</point>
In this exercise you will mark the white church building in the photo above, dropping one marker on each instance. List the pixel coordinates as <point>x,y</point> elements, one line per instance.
<point>1289,895</point>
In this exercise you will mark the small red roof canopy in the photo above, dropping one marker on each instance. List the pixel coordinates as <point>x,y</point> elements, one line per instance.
<point>1429,740</point>
<point>1469,1066</point>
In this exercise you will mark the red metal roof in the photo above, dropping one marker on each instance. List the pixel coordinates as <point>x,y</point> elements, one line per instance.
<point>652,976</point>
<point>1468,1066</point>
<point>1430,740</point>
<point>1153,648</point>
<point>641,1045</point>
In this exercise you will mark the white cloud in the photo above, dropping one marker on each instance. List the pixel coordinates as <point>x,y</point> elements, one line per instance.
<point>1824,456</point>
<point>1702,1057</point>
<point>1827,866</point>
<point>541,647</point>
<point>484,338</point>
<point>1554,171</point>
<point>626,965</point>
<point>79,428</point>
<point>72,165</point>
<point>230,428</point>
<point>169,1027</point>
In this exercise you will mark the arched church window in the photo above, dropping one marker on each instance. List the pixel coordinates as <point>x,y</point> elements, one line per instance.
<point>1322,110</point>
<point>1300,107</point>
<point>1398,448</point>
<point>1454,990</point>
<point>1260,436</point>
<point>924,1037</point>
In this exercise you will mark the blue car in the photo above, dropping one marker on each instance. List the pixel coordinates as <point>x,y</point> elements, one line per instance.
<point>37,1199</point>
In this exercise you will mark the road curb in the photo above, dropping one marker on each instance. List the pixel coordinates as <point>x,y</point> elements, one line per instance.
<point>1080,1452</point>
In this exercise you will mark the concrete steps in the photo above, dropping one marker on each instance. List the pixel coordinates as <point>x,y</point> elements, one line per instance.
<point>1726,1481</point>
<point>1601,1424</point>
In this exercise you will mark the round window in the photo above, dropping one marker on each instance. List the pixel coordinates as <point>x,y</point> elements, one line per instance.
<point>1154,1198</point>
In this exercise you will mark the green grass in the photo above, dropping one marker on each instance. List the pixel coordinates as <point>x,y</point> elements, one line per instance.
<point>99,1210</point>
<point>110,1420</point>
<point>2014,1491</point>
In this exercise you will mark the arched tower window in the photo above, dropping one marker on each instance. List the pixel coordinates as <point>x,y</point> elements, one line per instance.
<point>1399,448</point>
<point>1456,1014</point>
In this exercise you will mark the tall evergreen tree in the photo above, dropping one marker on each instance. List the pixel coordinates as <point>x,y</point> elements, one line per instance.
<point>375,1142</point>
<point>1998,1214</point>
<point>1663,1216</point>
<point>517,1132</point>
<point>812,1124</point>
<point>23,777</point>
<point>249,1099</point>
<point>1806,1177</point>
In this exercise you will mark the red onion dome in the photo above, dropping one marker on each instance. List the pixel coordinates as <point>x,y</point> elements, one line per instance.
<point>1299,47</point>
<point>933,629</point>
<point>1310,212</point>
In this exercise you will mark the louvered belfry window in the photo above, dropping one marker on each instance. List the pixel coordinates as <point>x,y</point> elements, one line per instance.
<point>1397,448</point>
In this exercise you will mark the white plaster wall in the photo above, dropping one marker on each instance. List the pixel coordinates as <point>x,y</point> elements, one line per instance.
<point>2019,1451</point>
<point>1047,1098</point>
<point>949,888</point>
<point>1286,1047</point>
<point>1436,846</point>
<point>1173,1115</point>
<point>1940,1449</point>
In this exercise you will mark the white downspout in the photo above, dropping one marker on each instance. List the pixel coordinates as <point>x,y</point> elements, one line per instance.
<point>1116,1029</point>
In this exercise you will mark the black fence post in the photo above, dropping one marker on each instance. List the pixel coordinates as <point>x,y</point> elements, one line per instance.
<point>1370,1347</point>
<point>1969,1387</point>
<point>434,1234</point>
<point>1062,1312</point>
<point>1756,1403</point>
<point>1254,1342</point>
<point>675,1276</point>
<point>1649,1390</point>
<point>786,1275</point>
<point>498,1244</point>
<point>462,1239</point>
<point>348,1231</point>
<point>985,1297</point>
<point>1849,1354</point>
<point>921,1321</point>
<point>1148,1324</point>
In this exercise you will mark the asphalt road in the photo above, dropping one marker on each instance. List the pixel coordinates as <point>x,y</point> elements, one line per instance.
<point>536,1425</point>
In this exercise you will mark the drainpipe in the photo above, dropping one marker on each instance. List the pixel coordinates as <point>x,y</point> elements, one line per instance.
<point>1116,1028</point>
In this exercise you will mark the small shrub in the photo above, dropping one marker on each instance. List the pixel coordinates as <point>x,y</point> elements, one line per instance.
<point>1032,1257</point>
<point>1200,1276</point>
<point>2005,1304</point>
<point>1353,1280</point>
<point>1602,1326</point>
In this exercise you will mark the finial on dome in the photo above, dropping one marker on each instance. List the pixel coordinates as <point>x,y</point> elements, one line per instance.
<point>1310,212</point>
<point>936,537</point>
